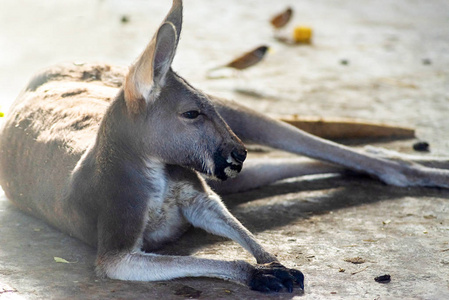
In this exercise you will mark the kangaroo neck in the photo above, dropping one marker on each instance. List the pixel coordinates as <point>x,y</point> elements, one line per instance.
<point>119,135</point>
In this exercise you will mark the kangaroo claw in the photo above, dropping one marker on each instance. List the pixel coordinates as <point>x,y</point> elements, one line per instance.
<point>274,277</point>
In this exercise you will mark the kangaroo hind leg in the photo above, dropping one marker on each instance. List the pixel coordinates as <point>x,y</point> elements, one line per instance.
<point>252,126</point>
<point>259,172</point>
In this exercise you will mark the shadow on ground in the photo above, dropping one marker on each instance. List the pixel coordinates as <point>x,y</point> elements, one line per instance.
<point>30,246</point>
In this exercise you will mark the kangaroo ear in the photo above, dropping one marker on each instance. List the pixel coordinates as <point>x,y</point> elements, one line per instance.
<point>164,52</point>
<point>147,75</point>
<point>175,17</point>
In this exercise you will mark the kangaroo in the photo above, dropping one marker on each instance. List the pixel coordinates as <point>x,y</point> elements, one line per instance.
<point>131,172</point>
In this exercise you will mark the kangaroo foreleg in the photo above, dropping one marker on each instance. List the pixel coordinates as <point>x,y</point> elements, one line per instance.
<point>209,213</point>
<point>141,266</point>
<point>254,127</point>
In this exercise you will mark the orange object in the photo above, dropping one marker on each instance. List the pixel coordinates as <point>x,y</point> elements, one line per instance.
<point>302,34</point>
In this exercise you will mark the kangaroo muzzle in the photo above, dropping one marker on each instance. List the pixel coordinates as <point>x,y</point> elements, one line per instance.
<point>228,166</point>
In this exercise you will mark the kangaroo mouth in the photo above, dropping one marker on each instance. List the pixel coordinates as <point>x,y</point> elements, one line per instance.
<point>226,167</point>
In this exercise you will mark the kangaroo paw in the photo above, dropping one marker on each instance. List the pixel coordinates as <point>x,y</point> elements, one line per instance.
<point>274,277</point>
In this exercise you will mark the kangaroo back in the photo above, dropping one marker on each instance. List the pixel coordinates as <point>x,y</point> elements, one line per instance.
<point>49,127</point>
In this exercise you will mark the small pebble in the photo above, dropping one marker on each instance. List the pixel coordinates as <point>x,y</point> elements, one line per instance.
<point>344,62</point>
<point>383,279</point>
<point>421,146</point>
<point>124,19</point>
<point>426,61</point>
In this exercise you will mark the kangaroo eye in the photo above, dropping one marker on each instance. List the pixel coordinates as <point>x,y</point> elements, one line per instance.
<point>191,114</point>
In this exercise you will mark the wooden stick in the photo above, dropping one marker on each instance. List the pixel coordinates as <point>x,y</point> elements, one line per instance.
<point>342,128</point>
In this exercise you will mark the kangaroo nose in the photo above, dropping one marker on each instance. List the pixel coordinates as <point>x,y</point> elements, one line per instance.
<point>239,156</point>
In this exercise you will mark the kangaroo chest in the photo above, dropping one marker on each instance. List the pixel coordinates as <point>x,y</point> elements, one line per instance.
<point>165,220</point>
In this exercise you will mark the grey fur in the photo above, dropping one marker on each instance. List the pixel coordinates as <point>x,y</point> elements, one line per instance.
<point>125,174</point>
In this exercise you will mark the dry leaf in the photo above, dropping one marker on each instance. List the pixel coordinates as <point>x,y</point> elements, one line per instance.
<point>62,260</point>
<point>355,260</point>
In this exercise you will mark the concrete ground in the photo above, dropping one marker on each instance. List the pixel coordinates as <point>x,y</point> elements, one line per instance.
<point>380,60</point>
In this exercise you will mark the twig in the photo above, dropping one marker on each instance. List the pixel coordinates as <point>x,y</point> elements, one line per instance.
<point>356,272</point>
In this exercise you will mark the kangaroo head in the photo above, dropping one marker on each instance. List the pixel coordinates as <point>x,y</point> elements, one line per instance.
<point>177,124</point>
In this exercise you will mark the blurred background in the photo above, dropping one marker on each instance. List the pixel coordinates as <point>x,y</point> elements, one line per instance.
<point>381,60</point>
